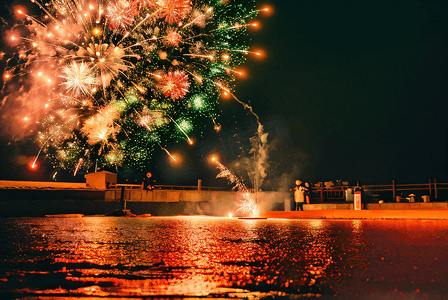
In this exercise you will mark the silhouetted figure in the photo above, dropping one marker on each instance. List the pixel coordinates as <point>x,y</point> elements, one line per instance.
<point>307,191</point>
<point>358,187</point>
<point>147,184</point>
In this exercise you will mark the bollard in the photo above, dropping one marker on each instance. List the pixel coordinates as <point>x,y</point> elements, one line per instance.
<point>425,198</point>
<point>357,196</point>
<point>287,204</point>
<point>357,200</point>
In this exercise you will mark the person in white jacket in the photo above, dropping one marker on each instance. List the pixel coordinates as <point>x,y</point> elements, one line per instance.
<point>299,195</point>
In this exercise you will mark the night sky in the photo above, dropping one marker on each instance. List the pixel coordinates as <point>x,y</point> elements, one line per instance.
<point>347,90</point>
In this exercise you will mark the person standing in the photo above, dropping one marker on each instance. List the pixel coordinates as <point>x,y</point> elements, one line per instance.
<point>307,190</point>
<point>147,182</point>
<point>299,195</point>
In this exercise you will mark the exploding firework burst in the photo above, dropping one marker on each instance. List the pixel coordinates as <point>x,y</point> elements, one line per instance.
<point>79,78</point>
<point>172,38</point>
<point>121,13</point>
<point>100,127</point>
<point>152,119</point>
<point>109,80</point>
<point>174,11</point>
<point>175,84</point>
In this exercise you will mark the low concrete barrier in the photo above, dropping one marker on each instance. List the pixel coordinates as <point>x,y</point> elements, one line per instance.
<point>414,214</point>
<point>10,184</point>
<point>32,201</point>
<point>377,206</point>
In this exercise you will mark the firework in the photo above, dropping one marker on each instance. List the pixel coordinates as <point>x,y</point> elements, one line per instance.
<point>172,38</point>
<point>79,78</point>
<point>175,84</point>
<point>100,127</point>
<point>174,11</point>
<point>121,13</point>
<point>247,204</point>
<point>106,81</point>
<point>152,119</point>
<point>247,201</point>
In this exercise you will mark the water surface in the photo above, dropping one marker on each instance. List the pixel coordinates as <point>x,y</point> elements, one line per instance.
<point>223,257</point>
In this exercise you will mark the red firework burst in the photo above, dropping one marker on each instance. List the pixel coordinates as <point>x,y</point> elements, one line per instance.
<point>146,3</point>
<point>172,38</point>
<point>121,13</point>
<point>174,11</point>
<point>175,84</point>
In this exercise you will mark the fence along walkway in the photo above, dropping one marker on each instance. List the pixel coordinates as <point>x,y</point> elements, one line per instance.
<point>337,193</point>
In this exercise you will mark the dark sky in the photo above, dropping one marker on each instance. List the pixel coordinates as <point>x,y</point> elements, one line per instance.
<point>358,88</point>
<point>348,90</point>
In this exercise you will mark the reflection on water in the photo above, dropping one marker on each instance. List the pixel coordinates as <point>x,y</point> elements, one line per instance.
<point>223,257</point>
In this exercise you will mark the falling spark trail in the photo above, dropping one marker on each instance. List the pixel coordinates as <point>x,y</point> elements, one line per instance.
<point>188,138</point>
<point>52,17</point>
<point>57,132</point>
<point>246,106</point>
<point>201,56</point>
<point>167,152</point>
<point>137,26</point>
<point>40,150</point>
<point>78,166</point>
<point>233,71</point>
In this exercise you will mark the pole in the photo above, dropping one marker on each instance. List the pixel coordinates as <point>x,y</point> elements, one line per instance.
<point>430,189</point>
<point>122,199</point>
<point>256,176</point>
<point>257,167</point>
<point>199,184</point>
<point>393,190</point>
<point>322,192</point>
<point>435,188</point>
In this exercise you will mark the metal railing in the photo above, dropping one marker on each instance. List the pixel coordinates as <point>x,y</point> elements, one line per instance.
<point>186,187</point>
<point>337,193</point>
<point>165,187</point>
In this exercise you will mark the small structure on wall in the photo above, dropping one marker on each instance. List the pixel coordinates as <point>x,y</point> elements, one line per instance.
<point>101,180</point>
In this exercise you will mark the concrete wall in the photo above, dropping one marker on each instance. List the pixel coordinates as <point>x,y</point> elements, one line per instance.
<point>40,202</point>
<point>46,194</point>
<point>135,195</point>
<point>10,184</point>
<point>174,202</point>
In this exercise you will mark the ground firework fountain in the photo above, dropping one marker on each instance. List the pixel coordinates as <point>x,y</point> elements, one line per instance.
<point>247,201</point>
<point>105,82</point>
<point>248,198</point>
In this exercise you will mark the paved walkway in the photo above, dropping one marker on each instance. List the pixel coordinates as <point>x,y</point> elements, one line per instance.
<point>414,214</point>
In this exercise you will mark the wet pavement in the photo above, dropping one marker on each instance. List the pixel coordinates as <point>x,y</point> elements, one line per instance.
<point>223,257</point>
